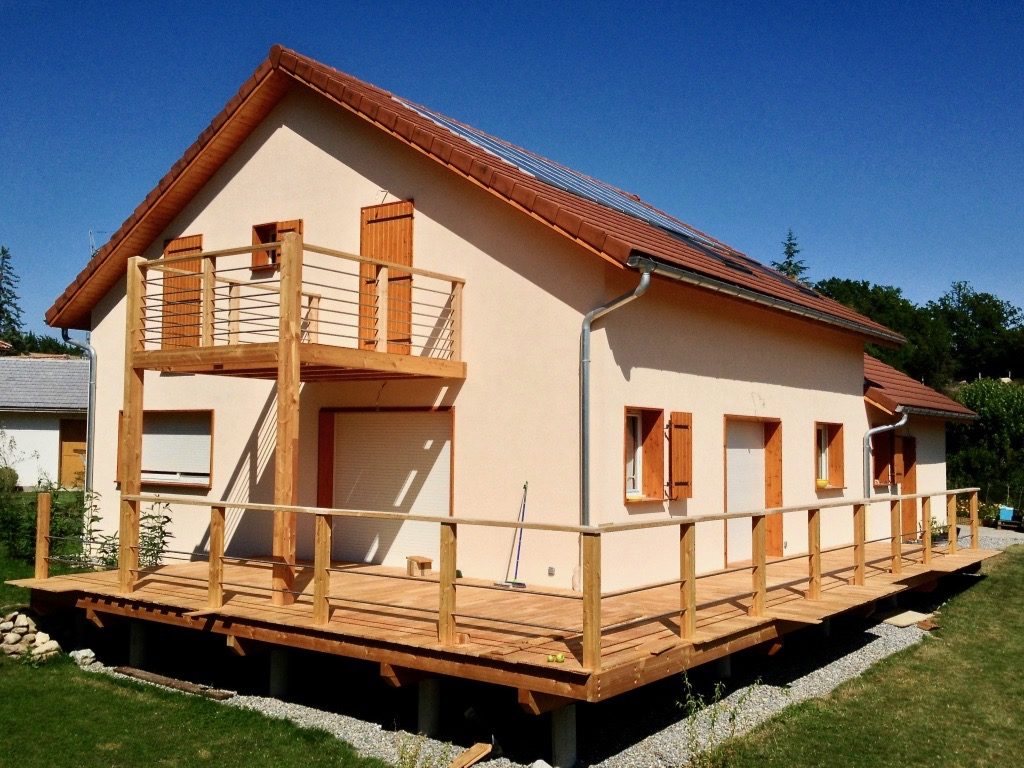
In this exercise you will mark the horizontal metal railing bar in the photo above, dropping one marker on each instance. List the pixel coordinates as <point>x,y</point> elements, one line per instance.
<point>388,264</point>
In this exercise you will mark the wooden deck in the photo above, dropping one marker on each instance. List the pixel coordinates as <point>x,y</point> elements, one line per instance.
<point>504,637</point>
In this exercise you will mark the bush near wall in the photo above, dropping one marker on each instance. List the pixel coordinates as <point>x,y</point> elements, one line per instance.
<point>18,523</point>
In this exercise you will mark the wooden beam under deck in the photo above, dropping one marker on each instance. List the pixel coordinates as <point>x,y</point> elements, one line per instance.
<point>317,362</point>
<point>380,615</point>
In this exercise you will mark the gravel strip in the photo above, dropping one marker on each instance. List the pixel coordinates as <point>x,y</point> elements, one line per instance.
<point>673,746</point>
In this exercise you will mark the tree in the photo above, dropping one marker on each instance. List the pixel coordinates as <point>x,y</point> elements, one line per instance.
<point>989,452</point>
<point>791,266</point>
<point>926,355</point>
<point>10,312</point>
<point>985,332</point>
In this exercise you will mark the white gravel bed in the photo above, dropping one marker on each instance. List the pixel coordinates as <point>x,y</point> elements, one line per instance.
<point>737,713</point>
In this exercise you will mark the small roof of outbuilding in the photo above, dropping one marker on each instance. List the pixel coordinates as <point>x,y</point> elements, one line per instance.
<point>600,218</point>
<point>50,384</point>
<point>889,389</point>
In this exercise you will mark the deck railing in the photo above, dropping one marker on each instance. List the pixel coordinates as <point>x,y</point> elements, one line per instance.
<point>229,298</point>
<point>590,626</point>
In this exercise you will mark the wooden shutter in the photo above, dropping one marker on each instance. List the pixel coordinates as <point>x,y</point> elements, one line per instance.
<point>182,294</point>
<point>271,233</point>
<point>836,477</point>
<point>680,448</point>
<point>385,233</point>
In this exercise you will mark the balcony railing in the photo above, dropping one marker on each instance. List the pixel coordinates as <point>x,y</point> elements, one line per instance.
<point>243,297</point>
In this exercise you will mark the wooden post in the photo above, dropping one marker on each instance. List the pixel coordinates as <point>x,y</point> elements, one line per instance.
<point>687,581</point>
<point>592,601</point>
<point>926,527</point>
<point>759,556</point>
<point>321,569</point>
<point>975,533</point>
<point>234,309</point>
<point>456,353</point>
<point>131,426</point>
<point>286,456</point>
<point>446,578</point>
<point>382,310</point>
<point>215,588</point>
<point>896,535</point>
<point>951,521</point>
<point>43,536</point>
<point>814,554</point>
<point>860,526</point>
<point>209,298</point>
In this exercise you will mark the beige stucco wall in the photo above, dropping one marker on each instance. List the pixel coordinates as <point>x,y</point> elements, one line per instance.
<point>516,414</point>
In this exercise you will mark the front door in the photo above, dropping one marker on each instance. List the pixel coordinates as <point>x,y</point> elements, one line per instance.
<point>906,468</point>
<point>753,474</point>
<point>72,453</point>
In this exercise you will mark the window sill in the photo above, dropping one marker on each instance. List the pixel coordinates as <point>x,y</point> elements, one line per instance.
<point>641,499</point>
<point>820,488</point>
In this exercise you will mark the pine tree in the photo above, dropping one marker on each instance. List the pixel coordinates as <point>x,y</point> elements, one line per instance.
<point>11,325</point>
<point>791,266</point>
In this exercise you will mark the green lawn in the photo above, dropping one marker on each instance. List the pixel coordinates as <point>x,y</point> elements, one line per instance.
<point>955,700</point>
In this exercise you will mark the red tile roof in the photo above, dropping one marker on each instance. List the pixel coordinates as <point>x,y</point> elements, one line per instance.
<point>605,231</point>
<point>889,389</point>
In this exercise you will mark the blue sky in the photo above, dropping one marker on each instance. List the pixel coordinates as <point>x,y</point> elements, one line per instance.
<point>888,136</point>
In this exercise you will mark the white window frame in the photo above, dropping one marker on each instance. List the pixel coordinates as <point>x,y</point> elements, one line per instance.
<point>821,432</point>
<point>635,461</point>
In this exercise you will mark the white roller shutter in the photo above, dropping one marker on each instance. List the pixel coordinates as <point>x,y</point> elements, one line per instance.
<point>396,461</point>
<point>744,456</point>
<point>176,447</point>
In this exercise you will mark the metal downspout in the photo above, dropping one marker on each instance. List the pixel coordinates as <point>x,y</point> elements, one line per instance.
<point>867,447</point>
<point>646,267</point>
<point>90,414</point>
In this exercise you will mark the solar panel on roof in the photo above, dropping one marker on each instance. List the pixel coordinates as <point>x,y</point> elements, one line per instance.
<point>561,177</point>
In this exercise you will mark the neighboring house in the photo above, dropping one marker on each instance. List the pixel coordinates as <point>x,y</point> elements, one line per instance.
<point>43,402</point>
<point>346,300</point>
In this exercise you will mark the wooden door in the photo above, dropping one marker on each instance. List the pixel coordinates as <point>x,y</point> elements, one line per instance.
<point>385,234</point>
<point>906,471</point>
<point>753,480</point>
<point>71,471</point>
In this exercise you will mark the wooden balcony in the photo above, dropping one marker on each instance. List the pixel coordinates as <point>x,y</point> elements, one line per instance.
<point>552,645</point>
<point>242,311</point>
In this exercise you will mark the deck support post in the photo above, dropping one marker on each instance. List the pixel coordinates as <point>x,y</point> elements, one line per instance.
<point>446,581</point>
<point>456,324</point>
<point>860,528</point>
<point>813,554</point>
<point>131,426</point>
<point>286,455</point>
<point>42,536</point>
<point>207,316</point>
<point>759,539</point>
<point>951,521</point>
<point>926,529</point>
<point>687,581</point>
<point>215,590</point>
<point>279,662</point>
<point>896,536</point>
<point>428,712</point>
<point>382,309</point>
<point>975,533</point>
<point>137,644</point>
<point>321,569</point>
<point>563,737</point>
<point>591,601</point>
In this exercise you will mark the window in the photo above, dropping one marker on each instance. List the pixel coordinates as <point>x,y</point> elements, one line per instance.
<point>385,234</point>
<point>182,294</point>
<point>680,451</point>
<point>177,448</point>
<point>644,455</point>
<point>271,233</point>
<point>828,450</point>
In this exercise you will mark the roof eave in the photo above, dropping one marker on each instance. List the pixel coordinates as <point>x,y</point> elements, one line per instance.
<point>699,280</point>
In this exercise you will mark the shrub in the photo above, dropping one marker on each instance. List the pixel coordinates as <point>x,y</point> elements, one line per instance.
<point>8,480</point>
<point>67,523</point>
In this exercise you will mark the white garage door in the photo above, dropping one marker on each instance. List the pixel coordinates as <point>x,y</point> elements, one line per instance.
<point>391,462</point>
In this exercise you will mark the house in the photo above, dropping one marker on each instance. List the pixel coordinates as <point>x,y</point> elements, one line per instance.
<point>43,401</point>
<point>379,364</point>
